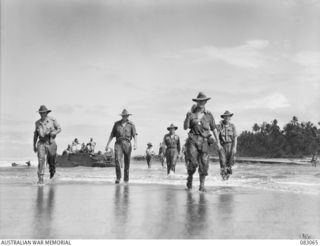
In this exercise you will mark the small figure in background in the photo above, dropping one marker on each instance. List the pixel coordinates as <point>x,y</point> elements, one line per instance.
<point>172,143</point>
<point>228,140</point>
<point>75,146</point>
<point>161,154</point>
<point>149,154</point>
<point>83,148</point>
<point>91,146</point>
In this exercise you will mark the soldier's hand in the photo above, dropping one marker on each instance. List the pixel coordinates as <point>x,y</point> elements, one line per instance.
<point>234,151</point>
<point>35,148</point>
<point>219,146</point>
<point>189,115</point>
<point>107,148</point>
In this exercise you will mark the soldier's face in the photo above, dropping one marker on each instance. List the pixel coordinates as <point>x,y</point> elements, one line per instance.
<point>172,131</point>
<point>125,117</point>
<point>227,119</point>
<point>201,104</point>
<point>43,115</point>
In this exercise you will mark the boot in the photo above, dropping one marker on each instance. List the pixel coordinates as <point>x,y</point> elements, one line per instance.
<point>189,182</point>
<point>224,174</point>
<point>229,170</point>
<point>201,187</point>
<point>52,170</point>
<point>40,181</point>
<point>51,175</point>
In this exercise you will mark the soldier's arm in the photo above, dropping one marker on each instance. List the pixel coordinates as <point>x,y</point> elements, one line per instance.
<point>112,135</point>
<point>164,142</point>
<point>35,138</point>
<point>135,137</point>
<point>135,143</point>
<point>235,140</point>
<point>186,123</point>
<point>179,145</point>
<point>57,128</point>
<point>213,128</point>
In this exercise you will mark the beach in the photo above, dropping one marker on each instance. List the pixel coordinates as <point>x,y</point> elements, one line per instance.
<point>83,203</point>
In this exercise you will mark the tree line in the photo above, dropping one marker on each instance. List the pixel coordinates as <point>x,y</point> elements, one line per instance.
<point>296,139</point>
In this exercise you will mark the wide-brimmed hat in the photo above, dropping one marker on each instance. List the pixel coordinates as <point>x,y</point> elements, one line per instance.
<point>125,112</point>
<point>43,109</point>
<point>149,144</point>
<point>201,97</point>
<point>227,113</point>
<point>172,126</point>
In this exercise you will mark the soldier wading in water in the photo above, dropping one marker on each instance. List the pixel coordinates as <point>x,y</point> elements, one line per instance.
<point>123,130</point>
<point>200,122</point>
<point>171,141</point>
<point>228,140</point>
<point>46,129</point>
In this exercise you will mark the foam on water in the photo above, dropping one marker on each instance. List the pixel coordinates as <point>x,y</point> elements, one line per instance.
<point>304,179</point>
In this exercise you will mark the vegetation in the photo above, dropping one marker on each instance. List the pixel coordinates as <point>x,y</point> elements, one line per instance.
<point>296,139</point>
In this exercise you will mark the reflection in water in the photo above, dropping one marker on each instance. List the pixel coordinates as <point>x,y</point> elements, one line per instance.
<point>196,215</point>
<point>167,222</point>
<point>225,213</point>
<point>43,213</point>
<point>121,207</point>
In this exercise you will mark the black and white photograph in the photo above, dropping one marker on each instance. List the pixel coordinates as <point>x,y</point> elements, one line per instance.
<point>159,120</point>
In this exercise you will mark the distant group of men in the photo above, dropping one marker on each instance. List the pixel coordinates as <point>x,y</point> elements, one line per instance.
<point>203,132</point>
<point>76,147</point>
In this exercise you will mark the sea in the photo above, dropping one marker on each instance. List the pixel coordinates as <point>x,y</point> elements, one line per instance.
<point>277,177</point>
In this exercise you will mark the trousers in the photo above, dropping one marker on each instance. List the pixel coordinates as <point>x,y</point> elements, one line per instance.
<point>122,149</point>
<point>226,158</point>
<point>197,155</point>
<point>47,153</point>
<point>172,157</point>
<point>148,159</point>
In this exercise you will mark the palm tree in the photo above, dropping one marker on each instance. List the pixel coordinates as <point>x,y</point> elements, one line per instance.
<point>294,120</point>
<point>256,127</point>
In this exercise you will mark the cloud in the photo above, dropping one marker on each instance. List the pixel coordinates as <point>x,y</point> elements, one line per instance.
<point>65,109</point>
<point>310,62</point>
<point>273,101</point>
<point>248,55</point>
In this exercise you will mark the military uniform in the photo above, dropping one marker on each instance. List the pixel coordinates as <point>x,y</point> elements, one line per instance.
<point>197,145</point>
<point>46,145</point>
<point>149,153</point>
<point>122,146</point>
<point>172,143</point>
<point>227,135</point>
<point>161,154</point>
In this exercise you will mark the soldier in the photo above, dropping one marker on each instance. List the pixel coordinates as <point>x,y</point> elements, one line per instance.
<point>44,143</point>
<point>171,141</point>
<point>228,140</point>
<point>91,146</point>
<point>200,122</point>
<point>75,146</point>
<point>161,154</point>
<point>149,154</point>
<point>123,130</point>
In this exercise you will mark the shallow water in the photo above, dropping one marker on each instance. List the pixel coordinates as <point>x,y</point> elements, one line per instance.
<point>259,201</point>
<point>286,178</point>
<point>107,211</point>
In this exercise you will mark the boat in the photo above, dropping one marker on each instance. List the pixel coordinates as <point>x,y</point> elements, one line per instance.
<point>85,159</point>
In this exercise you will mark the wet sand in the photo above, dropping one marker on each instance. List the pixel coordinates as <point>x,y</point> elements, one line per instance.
<point>136,211</point>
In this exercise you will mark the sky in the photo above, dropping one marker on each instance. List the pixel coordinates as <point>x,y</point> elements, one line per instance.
<point>87,60</point>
